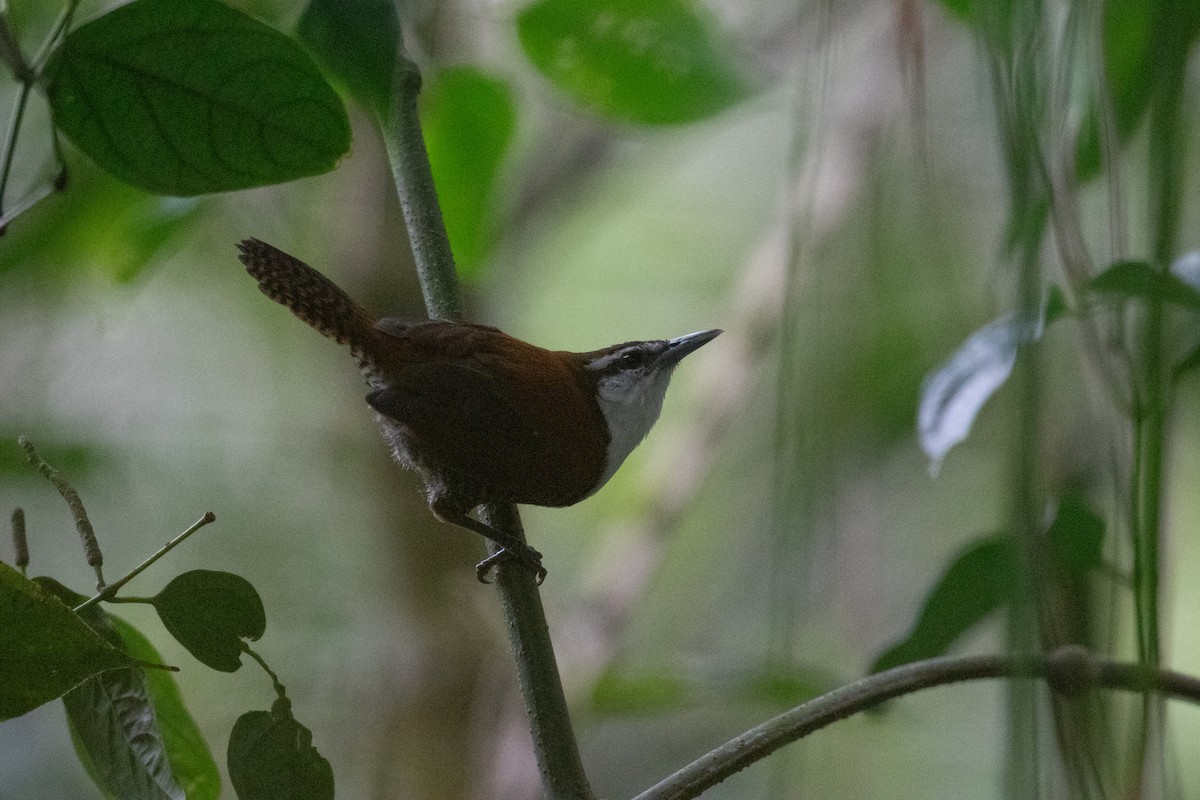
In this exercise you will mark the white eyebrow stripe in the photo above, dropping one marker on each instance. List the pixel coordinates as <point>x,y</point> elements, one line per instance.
<point>604,362</point>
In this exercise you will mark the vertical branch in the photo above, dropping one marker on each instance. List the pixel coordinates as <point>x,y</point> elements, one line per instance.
<point>20,543</point>
<point>554,744</point>
<point>418,195</point>
<point>1175,26</point>
<point>537,671</point>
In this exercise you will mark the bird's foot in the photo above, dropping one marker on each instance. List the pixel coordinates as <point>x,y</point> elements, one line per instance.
<point>526,556</point>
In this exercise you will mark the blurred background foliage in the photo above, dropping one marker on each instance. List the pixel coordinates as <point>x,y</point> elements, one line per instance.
<point>825,183</point>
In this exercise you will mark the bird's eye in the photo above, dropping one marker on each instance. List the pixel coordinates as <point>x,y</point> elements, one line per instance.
<point>632,359</point>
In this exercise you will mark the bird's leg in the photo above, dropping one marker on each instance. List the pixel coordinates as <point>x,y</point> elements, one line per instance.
<point>447,510</point>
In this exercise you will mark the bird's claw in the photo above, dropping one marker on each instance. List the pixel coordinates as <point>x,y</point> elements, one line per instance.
<point>527,556</point>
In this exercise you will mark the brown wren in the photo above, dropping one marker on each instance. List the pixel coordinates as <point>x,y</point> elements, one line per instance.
<point>482,416</point>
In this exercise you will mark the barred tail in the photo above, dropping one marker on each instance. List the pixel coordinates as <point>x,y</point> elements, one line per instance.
<point>310,295</point>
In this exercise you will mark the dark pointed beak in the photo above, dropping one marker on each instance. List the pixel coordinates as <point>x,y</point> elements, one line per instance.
<point>681,346</point>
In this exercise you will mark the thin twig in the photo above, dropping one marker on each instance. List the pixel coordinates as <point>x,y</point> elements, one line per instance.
<point>10,141</point>
<point>20,544</point>
<point>1068,671</point>
<point>91,548</point>
<point>29,201</point>
<point>108,592</point>
<point>10,51</point>
<point>279,687</point>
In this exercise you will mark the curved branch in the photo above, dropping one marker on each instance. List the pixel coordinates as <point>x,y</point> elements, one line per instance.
<point>1068,670</point>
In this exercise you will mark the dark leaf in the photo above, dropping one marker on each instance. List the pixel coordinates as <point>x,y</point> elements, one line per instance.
<point>186,97</point>
<point>1131,57</point>
<point>1137,279</point>
<point>655,62</point>
<point>356,41</point>
<point>271,757</point>
<point>46,648</point>
<point>191,761</point>
<point>1056,305</point>
<point>468,119</point>
<point>1076,536</point>
<point>209,612</point>
<point>979,581</point>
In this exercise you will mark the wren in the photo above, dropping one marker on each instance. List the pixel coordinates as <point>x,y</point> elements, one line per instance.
<point>484,417</point>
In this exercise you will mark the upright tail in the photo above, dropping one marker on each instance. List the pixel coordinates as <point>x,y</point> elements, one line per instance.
<point>310,295</point>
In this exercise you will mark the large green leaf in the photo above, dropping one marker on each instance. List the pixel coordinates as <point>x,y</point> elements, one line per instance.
<point>468,119</point>
<point>191,761</point>
<point>186,97</point>
<point>47,649</point>
<point>650,61</point>
<point>209,612</point>
<point>356,40</point>
<point>117,738</point>
<point>112,721</point>
<point>1137,279</point>
<point>978,581</point>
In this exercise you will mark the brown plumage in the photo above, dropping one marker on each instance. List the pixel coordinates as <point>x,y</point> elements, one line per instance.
<point>451,406</point>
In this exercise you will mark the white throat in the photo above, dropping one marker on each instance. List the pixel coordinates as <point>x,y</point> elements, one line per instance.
<point>631,405</point>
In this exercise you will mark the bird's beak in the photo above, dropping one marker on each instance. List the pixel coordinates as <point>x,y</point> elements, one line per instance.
<point>681,346</point>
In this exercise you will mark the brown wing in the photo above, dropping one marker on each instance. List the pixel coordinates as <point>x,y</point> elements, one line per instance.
<point>453,408</point>
<point>525,437</point>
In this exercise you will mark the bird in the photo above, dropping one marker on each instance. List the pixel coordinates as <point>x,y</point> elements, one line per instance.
<point>482,416</point>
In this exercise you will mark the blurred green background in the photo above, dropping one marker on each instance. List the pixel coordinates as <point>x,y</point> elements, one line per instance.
<point>841,215</point>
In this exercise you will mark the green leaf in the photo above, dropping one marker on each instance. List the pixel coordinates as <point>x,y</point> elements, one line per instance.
<point>977,582</point>
<point>186,97</point>
<point>962,9</point>
<point>356,42</point>
<point>1140,280</point>
<point>656,62</point>
<point>71,459</point>
<point>784,685</point>
<point>47,648</point>
<point>99,225</point>
<point>616,693</point>
<point>468,120</point>
<point>191,761</point>
<point>271,756</point>
<point>112,722</point>
<point>208,612</point>
<point>1129,51</point>
<point>116,735</point>
<point>1076,536</point>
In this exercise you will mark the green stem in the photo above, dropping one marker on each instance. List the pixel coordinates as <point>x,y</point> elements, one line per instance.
<point>279,687</point>
<point>10,141</point>
<point>418,195</point>
<point>1069,671</point>
<point>555,748</point>
<point>554,744</point>
<point>10,51</point>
